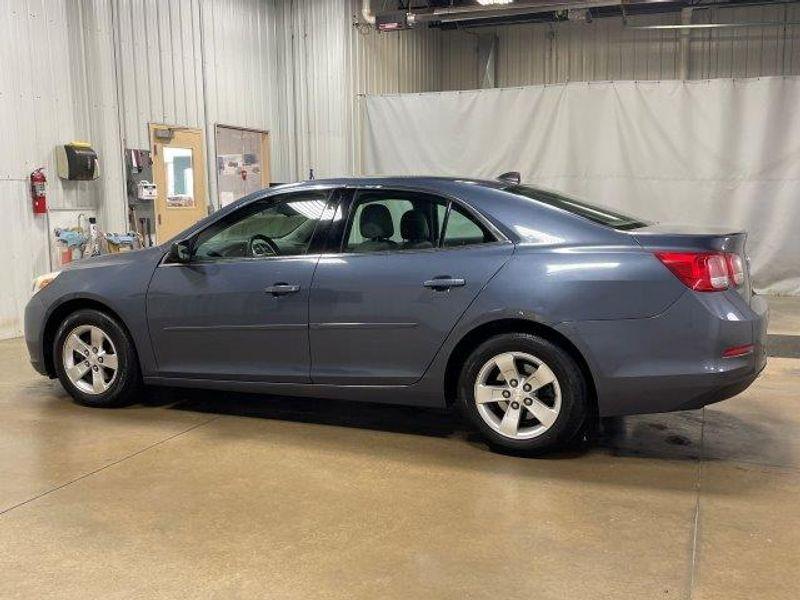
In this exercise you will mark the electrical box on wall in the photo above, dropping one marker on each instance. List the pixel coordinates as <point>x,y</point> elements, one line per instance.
<point>146,190</point>
<point>77,161</point>
<point>139,175</point>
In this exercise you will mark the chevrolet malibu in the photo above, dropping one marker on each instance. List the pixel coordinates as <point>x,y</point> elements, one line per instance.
<point>530,310</point>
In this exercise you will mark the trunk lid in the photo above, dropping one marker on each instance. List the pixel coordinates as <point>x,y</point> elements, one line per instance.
<point>666,236</point>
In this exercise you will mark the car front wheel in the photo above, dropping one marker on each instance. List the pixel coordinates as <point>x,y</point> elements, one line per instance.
<point>96,361</point>
<point>523,393</point>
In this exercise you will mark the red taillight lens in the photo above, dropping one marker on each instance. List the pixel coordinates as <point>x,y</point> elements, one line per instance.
<point>700,271</point>
<point>736,351</point>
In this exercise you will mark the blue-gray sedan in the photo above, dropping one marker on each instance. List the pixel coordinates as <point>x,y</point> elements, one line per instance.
<point>532,311</point>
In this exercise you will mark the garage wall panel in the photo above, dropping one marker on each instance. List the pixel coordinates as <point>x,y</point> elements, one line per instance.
<point>158,50</point>
<point>25,254</point>
<point>327,63</point>
<point>43,93</point>
<point>242,41</point>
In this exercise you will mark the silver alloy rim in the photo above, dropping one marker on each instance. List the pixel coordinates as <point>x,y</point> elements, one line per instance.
<point>517,395</point>
<point>90,359</point>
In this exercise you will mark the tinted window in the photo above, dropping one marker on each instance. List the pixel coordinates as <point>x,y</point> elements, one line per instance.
<point>398,220</point>
<point>462,230</point>
<point>280,226</point>
<point>598,214</point>
<point>384,220</point>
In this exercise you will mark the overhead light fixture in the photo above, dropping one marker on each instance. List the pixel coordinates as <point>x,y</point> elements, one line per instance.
<point>491,2</point>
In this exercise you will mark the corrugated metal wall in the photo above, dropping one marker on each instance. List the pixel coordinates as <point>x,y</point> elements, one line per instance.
<point>330,64</point>
<point>607,50</point>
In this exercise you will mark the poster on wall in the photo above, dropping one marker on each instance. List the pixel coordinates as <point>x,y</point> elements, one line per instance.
<point>180,201</point>
<point>230,164</point>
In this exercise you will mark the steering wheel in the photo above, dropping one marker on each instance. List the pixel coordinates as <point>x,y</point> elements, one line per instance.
<point>260,245</point>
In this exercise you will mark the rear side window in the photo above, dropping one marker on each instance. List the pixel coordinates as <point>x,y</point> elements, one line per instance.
<point>385,220</point>
<point>598,214</point>
<point>462,230</point>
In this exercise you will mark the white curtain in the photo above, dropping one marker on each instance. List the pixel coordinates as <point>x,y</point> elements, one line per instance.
<point>717,152</point>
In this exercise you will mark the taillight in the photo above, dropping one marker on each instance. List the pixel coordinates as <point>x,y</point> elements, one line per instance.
<point>736,268</point>
<point>705,271</point>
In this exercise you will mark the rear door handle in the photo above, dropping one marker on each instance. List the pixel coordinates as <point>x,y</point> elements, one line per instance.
<point>282,289</point>
<point>444,283</point>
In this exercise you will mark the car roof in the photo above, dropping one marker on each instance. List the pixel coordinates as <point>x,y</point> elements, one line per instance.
<point>427,181</point>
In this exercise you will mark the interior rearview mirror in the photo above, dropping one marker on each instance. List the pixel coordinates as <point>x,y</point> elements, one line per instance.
<point>181,252</point>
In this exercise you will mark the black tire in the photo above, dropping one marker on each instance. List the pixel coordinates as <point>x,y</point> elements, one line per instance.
<point>574,396</point>
<point>126,384</point>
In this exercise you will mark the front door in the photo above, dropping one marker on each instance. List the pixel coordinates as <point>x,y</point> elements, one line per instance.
<point>179,171</point>
<point>407,267</point>
<point>239,308</point>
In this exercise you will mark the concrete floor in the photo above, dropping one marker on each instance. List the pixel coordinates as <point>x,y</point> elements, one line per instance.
<point>227,496</point>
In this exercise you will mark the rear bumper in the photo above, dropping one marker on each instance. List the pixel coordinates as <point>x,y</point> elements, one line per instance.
<point>674,361</point>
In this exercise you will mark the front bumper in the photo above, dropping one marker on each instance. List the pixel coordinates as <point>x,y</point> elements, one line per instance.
<point>674,361</point>
<point>35,318</point>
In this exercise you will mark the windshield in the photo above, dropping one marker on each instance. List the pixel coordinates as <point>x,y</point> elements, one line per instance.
<point>598,214</point>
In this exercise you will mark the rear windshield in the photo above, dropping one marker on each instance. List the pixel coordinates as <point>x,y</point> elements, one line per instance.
<point>598,214</point>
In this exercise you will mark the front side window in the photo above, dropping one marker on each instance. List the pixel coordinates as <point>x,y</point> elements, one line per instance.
<point>399,220</point>
<point>280,226</point>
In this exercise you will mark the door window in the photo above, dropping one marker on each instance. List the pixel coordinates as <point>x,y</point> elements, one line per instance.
<point>180,177</point>
<point>265,228</point>
<point>396,220</point>
<point>463,230</point>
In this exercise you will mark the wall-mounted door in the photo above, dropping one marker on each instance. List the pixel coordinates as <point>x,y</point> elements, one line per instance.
<point>242,162</point>
<point>179,171</point>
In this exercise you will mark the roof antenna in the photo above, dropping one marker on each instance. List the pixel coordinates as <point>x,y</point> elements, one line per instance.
<point>311,174</point>
<point>512,177</point>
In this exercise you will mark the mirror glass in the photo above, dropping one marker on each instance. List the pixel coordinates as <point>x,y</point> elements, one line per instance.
<point>181,252</point>
<point>180,177</point>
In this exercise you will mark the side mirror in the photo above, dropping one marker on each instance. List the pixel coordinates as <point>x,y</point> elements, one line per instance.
<point>180,252</point>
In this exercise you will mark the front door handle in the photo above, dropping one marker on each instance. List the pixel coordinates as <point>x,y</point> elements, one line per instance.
<point>282,289</point>
<point>444,283</point>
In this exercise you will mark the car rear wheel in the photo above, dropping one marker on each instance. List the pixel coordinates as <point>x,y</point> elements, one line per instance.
<point>96,361</point>
<point>523,393</point>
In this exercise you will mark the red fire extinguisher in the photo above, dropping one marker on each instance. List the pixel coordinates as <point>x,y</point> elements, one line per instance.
<point>39,191</point>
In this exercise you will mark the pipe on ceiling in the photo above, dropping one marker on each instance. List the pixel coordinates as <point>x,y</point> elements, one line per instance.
<point>455,14</point>
<point>716,25</point>
<point>469,13</point>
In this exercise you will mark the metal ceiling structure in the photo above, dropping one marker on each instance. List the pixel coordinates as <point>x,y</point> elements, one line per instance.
<point>454,14</point>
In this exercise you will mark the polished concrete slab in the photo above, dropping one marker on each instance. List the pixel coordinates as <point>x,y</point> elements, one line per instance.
<point>213,495</point>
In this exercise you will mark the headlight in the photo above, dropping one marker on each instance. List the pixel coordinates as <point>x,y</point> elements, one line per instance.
<point>43,281</point>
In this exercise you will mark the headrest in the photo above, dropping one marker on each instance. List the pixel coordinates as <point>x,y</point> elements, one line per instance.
<point>376,222</point>
<point>414,226</point>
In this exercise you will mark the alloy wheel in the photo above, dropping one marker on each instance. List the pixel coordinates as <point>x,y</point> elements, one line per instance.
<point>517,395</point>
<point>90,359</point>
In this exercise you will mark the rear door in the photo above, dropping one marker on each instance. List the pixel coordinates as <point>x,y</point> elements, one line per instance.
<point>403,268</point>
